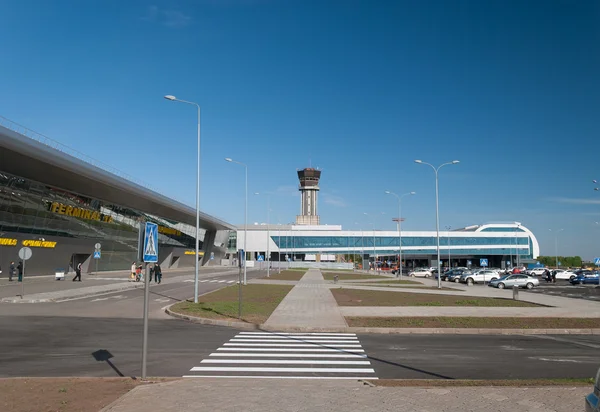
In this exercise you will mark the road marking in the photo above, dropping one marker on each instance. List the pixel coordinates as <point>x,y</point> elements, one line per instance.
<point>281,377</point>
<point>110,297</point>
<point>285,362</point>
<point>565,340</point>
<point>205,280</point>
<point>253,369</point>
<point>289,355</point>
<point>298,337</point>
<point>162,300</point>
<point>291,350</point>
<point>559,360</point>
<point>293,341</point>
<point>214,280</point>
<point>298,333</point>
<point>302,345</point>
<point>230,281</point>
<point>189,280</point>
<point>222,281</point>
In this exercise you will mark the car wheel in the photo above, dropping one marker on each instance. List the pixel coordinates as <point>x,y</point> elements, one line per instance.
<point>493,279</point>
<point>500,285</point>
<point>529,285</point>
<point>456,280</point>
<point>470,282</point>
<point>572,277</point>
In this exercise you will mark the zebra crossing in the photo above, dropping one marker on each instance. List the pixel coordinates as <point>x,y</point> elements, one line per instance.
<point>273,355</point>
<point>211,281</point>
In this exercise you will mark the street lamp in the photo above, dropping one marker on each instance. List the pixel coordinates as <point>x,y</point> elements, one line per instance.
<point>437,211</point>
<point>174,99</point>
<point>268,233</point>
<point>374,255</point>
<point>228,159</point>
<point>556,244</point>
<point>449,256</point>
<point>399,226</point>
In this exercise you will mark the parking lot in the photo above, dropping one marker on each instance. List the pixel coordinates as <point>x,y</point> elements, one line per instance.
<point>565,289</point>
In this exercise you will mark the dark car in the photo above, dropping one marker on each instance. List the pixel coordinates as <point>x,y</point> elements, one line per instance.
<point>586,277</point>
<point>455,274</point>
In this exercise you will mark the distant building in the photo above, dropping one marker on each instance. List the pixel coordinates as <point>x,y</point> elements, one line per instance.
<point>309,188</point>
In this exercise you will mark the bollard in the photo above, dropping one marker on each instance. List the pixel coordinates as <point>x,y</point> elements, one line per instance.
<point>515,292</point>
<point>335,278</point>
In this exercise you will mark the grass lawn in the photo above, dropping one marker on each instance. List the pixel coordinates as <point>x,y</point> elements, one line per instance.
<point>389,281</point>
<point>355,297</point>
<point>286,275</point>
<point>473,322</point>
<point>350,276</point>
<point>259,301</point>
<point>516,383</point>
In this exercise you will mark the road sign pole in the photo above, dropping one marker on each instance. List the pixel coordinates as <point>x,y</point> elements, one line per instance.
<point>145,338</point>
<point>23,280</point>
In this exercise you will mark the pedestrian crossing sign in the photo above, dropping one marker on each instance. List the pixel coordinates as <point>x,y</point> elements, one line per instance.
<point>97,254</point>
<point>597,261</point>
<point>151,243</point>
<point>483,263</point>
<point>260,258</point>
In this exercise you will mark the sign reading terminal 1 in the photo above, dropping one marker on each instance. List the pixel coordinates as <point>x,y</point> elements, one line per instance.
<point>79,212</point>
<point>193,252</point>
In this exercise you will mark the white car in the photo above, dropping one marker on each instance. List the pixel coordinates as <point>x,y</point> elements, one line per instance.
<point>479,276</point>
<point>536,272</point>
<point>562,274</point>
<point>424,273</point>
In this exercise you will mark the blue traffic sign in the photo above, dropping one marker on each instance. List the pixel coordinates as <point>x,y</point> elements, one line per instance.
<point>483,263</point>
<point>151,243</point>
<point>260,258</point>
<point>97,254</point>
<point>212,255</point>
<point>597,261</point>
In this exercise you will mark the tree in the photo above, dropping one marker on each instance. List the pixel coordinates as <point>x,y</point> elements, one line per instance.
<point>565,261</point>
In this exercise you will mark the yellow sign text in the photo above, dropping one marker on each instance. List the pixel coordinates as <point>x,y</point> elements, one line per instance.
<point>79,212</point>
<point>193,252</point>
<point>4,241</point>
<point>39,243</point>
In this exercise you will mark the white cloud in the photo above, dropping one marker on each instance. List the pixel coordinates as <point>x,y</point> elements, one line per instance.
<point>168,18</point>
<point>333,200</point>
<point>575,201</point>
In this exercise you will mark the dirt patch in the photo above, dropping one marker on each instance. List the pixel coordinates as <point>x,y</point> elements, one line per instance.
<point>516,383</point>
<point>386,285</point>
<point>350,276</point>
<point>258,302</point>
<point>473,322</point>
<point>286,275</point>
<point>62,394</point>
<point>358,297</point>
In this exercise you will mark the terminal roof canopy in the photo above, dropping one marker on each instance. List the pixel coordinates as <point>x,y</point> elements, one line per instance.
<point>25,157</point>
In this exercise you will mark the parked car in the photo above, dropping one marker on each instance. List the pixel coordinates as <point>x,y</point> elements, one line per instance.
<point>424,273</point>
<point>520,280</point>
<point>592,403</point>
<point>562,274</point>
<point>455,274</point>
<point>536,272</point>
<point>479,276</point>
<point>586,277</point>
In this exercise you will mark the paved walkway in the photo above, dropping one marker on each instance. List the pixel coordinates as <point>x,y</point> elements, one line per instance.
<point>327,395</point>
<point>309,304</point>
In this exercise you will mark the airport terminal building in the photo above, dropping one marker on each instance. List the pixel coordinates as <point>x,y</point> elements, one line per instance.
<point>60,206</point>
<point>502,244</point>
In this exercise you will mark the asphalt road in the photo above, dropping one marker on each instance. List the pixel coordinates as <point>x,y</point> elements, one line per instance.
<point>60,339</point>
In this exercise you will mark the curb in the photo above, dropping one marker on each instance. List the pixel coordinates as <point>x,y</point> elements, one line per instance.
<point>382,331</point>
<point>16,299</point>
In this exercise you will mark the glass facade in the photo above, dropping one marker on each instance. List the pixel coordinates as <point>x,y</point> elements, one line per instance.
<point>34,212</point>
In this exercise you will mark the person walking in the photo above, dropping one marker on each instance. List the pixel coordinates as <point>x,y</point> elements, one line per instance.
<point>151,273</point>
<point>157,274</point>
<point>20,270</point>
<point>133,271</point>
<point>77,273</point>
<point>12,270</point>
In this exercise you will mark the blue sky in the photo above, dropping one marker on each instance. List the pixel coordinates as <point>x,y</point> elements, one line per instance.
<point>357,88</point>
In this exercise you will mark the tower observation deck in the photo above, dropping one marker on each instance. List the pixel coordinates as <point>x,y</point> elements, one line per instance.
<point>309,186</point>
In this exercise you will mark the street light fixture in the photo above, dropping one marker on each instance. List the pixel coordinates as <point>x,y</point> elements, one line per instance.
<point>174,99</point>
<point>399,226</point>
<point>230,160</point>
<point>556,245</point>
<point>268,234</point>
<point>437,211</point>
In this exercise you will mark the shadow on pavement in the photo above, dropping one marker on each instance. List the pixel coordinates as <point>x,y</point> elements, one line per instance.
<point>103,355</point>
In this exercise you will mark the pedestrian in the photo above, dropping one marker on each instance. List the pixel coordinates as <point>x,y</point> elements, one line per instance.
<point>157,274</point>
<point>554,276</point>
<point>11,271</point>
<point>138,273</point>
<point>77,273</point>
<point>133,271</point>
<point>20,270</point>
<point>152,268</point>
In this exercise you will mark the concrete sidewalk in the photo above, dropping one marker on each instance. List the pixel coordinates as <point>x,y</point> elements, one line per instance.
<point>233,395</point>
<point>309,304</point>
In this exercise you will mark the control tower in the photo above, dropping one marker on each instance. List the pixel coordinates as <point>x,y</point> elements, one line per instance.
<point>309,186</point>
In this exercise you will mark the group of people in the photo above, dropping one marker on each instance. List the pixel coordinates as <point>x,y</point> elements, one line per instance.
<point>550,276</point>
<point>14,270</point>
<point>137,273</point>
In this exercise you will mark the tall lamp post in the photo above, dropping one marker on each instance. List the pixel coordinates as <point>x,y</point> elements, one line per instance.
<point>437,211</point>
<point>228,159</point>
<point>197,257</point>
<point>399,197</point>
<point>556,245</point>
<point>268,233</point>
<point>374,256</point>
<point>449,255</point>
